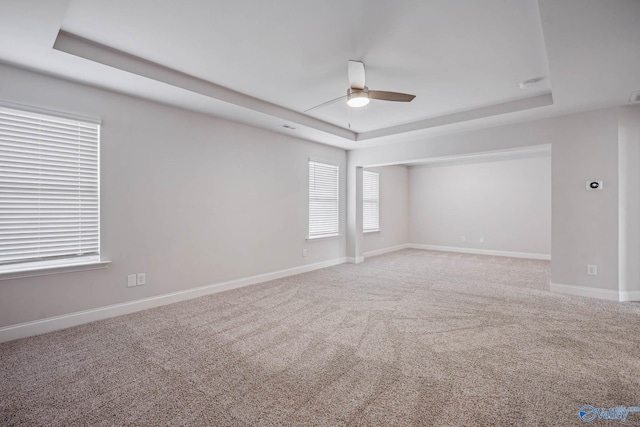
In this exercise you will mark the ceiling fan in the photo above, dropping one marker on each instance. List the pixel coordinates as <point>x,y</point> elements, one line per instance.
<point>359,95</point>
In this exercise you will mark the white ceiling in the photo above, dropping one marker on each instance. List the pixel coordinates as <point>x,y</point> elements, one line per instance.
<point>265,63</point>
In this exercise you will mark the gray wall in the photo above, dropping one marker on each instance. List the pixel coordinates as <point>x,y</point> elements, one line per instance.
<point>188,199</point>
<point>507,202</point>
<point>394,209</point>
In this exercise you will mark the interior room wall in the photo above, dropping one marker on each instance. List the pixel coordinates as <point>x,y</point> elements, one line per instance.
<point>499,138</point>
<point>584,146</point>
<point>186,198</point>
<point>505,201</point>
<point>394,210</point>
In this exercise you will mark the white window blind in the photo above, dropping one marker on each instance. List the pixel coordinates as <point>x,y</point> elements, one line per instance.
<point>370,201</point>
<point>49,189</point>
<point>323,200</point>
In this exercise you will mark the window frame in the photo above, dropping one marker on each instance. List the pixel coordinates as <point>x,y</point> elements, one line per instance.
<point>28,267</point>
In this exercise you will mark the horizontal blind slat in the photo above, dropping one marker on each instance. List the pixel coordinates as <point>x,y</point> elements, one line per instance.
<point>45,255</point>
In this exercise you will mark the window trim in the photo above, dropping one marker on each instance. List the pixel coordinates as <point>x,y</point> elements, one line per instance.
<point>32,270</point>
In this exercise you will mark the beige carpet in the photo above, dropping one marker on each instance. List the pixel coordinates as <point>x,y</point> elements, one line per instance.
<point>408,338</point>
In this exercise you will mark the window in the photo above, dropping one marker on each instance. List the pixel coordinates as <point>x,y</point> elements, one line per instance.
<point>370,201</point>
<point>323,200</point>
<point>49,191</point>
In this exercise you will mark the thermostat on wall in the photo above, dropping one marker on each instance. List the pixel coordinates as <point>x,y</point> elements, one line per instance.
<point>594,185</point>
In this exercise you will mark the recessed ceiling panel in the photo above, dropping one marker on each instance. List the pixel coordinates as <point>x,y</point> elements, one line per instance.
<point>463,59</point>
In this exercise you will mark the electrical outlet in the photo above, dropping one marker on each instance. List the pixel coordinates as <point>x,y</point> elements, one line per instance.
<point>592,270</point>
<point>482,240</point>
<point>142,279</point>
<point>304,252</point>
<point>463,238</point>
<point>131,280</point>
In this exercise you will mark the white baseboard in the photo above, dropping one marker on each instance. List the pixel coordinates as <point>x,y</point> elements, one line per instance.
<point>509,254</point>
<point>55,323</point>
<point>629,295</point>
<point>584,291</point>
<point>385,250</point>
<point>357,260</point>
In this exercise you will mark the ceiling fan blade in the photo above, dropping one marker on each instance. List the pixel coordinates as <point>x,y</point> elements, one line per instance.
<point>356,74</point>
<point>390,96</point>
<point>326,103</point>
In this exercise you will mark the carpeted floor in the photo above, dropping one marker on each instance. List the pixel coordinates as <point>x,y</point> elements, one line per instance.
<point>407,338</point>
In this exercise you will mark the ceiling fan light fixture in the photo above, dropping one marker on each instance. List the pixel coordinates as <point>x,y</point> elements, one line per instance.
<point>357,97</point>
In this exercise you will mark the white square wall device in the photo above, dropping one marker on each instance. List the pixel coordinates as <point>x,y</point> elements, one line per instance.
<point>594,185</point>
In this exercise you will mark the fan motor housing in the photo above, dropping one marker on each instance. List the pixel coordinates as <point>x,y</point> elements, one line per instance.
<point>357,97</point>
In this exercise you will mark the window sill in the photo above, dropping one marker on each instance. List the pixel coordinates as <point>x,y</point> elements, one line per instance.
<point>25,271</point>
<point>371,231</point>
<point>332,236</point>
